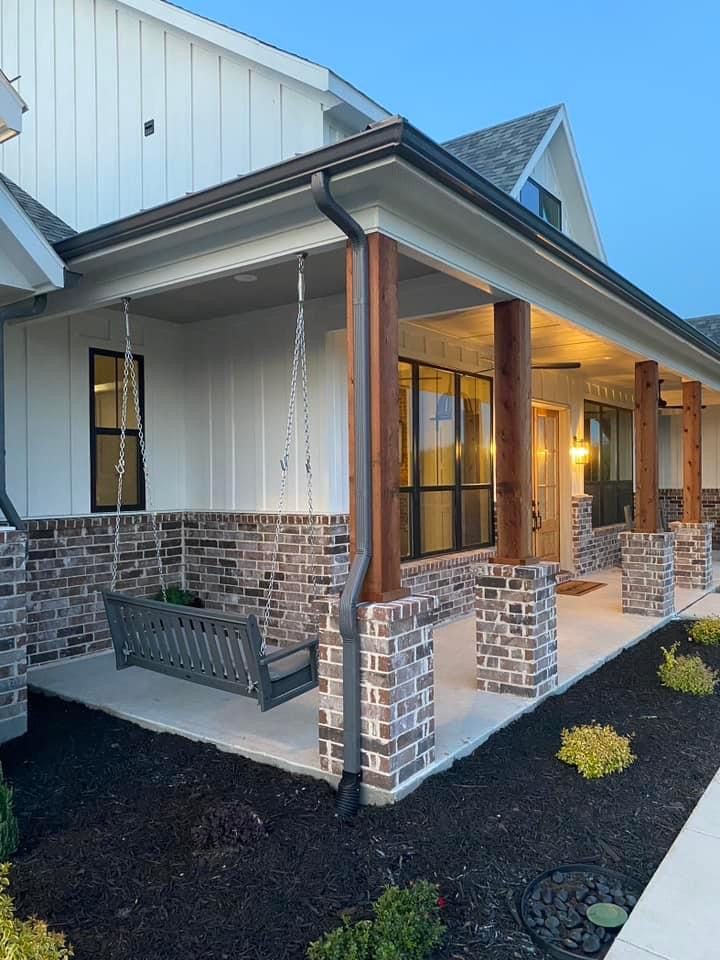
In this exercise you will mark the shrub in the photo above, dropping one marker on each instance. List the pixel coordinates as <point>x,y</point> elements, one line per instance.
<point>26,939</point>
<point>407,926</point>
<point>706,631</point>
<point>595,750</point>
<point>183,598</point>
<point>9,834</point>
<point>686,674</point>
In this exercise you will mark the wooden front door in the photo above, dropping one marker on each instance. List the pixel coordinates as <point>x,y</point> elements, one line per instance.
<point>546,486</point>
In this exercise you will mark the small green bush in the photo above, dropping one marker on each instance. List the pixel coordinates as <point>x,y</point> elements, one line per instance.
<point>176,594</point>
<point>26,939</point>
<point>407,926</point>
<point>706,631</point>
<point>9,834</point>
<point>595,750</point>
<point>687,674</point>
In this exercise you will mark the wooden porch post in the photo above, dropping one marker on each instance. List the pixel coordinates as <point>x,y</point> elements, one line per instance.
<point>692,452</point>
<point>646,446</point>
<point>382,583</point>
<point>513,431</point>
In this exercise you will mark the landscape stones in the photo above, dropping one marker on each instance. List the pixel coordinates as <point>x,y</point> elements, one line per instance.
<point>556,910</point>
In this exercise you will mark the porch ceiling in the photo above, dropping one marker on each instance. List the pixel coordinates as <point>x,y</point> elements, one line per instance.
<point>556,340</point>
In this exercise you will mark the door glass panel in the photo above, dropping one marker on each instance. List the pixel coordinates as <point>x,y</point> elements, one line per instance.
<point>107,451</point>
<point>436,520</point>
<point>406,409</point>
<point>437,427</point>
<point>475,430</point>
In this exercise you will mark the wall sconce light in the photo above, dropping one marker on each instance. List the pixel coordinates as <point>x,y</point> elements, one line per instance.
<point>580,452</point>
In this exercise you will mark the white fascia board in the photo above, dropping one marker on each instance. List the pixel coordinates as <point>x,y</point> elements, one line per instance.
<point>27,248</point>
<point>12,108</point>
<point>287,64</point>
<point>562,120</point>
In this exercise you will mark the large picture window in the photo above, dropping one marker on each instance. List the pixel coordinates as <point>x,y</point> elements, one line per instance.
<point>106,374</point>
<point>609,472</point>
<point>445,460</point>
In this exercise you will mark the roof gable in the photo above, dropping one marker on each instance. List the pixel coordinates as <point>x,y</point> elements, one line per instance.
<point>502,152</point>
<point>28,262</point>
<point>50,226</point>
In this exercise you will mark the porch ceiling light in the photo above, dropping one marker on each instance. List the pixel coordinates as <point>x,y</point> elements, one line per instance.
<point>580,451</point>
<point>245,277</point>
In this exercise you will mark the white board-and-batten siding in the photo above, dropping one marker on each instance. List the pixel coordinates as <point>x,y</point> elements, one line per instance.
<point>93,72</point>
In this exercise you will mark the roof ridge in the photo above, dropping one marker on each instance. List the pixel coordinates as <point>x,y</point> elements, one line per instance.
<point>506,123</point>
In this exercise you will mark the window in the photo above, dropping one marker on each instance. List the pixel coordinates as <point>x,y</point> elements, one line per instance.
<point>542,203</point>
<point>106,373</point>
<point>609,471</point>
<point>445,460</point>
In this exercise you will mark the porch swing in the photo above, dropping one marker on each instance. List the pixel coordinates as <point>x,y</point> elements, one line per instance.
<point>219,650</point>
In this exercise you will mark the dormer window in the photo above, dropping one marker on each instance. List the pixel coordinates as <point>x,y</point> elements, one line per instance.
<point>542,203</point>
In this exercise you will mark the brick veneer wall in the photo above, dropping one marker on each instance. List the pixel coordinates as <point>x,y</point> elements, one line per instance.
<point>13,635</point>
<point>672,502</point>
<point>516,628</point>
<point>397,698</point>
<point>450,578</point>
<point>593,548</point>
<point>648,573</point>
<point>228,562</point>
<point>68,564</point>
<point>693,554</point>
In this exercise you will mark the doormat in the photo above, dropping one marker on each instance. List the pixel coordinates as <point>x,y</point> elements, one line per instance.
<point>578,588</point>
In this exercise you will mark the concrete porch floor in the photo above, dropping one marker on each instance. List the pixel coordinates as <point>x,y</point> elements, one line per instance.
<point>591,630</point>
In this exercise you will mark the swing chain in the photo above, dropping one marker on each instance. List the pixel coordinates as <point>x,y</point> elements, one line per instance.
<point>130,377</point>
<point>299,365</point>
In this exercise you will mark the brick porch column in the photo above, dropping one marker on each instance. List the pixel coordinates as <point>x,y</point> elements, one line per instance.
<point>693,555</point>
<point>582,534</point>
<point>648,577</point>
<point>397,695</point>
<point>516,628</point>
<point>13,634</point>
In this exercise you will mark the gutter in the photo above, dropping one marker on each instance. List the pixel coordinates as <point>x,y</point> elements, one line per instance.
<point>348,794</point>
<point>391,138</point>
<point>23,310</point>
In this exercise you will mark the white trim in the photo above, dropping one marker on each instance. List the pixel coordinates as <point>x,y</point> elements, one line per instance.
<point>27,249</point>
<point>12,108</point>
<point>562,120</point>
<point>265,55</point>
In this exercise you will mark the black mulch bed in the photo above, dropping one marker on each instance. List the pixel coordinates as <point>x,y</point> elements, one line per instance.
<point>144,846</point>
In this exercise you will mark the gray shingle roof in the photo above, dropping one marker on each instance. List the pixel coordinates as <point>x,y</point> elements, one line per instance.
<point>52,227</point>
<point>709,325</point>
<point>502,152</point>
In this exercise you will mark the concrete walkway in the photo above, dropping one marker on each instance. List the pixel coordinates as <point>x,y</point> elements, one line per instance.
<point>676,918</point>
<point>591,630</point>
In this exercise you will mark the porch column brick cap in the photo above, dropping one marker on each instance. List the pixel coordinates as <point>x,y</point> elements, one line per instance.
<point>393,610</point>
<point>581,497</point>
<point>706,525</point>
<point>535,570</point>
<point>661,536</point>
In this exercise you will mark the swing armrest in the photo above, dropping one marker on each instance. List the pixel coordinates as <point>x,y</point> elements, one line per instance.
<point>287,652</point>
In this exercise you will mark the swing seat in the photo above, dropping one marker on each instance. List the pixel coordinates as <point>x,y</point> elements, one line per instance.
<point>216,649</point>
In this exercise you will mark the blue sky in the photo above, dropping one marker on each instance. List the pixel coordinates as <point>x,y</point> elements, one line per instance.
<point>639,77</point>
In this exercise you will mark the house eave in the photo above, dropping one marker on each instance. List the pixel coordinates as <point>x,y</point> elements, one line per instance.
<point>392,138</point>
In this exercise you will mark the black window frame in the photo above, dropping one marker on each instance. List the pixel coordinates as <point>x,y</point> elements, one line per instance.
<point>416,489</point>
<point>542,193</point>
<point>96,431</point>
<point>598,488</point>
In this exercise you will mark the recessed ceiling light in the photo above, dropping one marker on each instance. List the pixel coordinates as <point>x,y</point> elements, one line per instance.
<point>245,277</point>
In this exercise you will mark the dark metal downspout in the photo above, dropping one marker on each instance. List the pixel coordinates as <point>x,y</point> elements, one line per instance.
<point>23,310</point>
<point>348,795</point>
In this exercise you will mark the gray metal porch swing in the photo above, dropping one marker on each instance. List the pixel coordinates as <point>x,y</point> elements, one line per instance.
<point>219,650</point>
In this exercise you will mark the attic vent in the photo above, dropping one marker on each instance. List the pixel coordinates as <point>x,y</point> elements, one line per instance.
<point>149,128</point>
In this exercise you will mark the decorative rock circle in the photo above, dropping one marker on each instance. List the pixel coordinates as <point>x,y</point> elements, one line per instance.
<point>576,910</point>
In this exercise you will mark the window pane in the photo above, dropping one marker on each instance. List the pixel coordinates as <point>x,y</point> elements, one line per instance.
<point>107,451</point>
<point>405,377</point>
<point>406,549</point>
<point>530,196</point>
<point>437,427</point>
<point>107,387</point>
<point>476,517</point>
<point>105,391</point>
<point>475,430</point>
<point>625,445</point>
<point>437,521</point>
<point>551,209</point>
<point>592,437</point>
<point>608,443</point>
